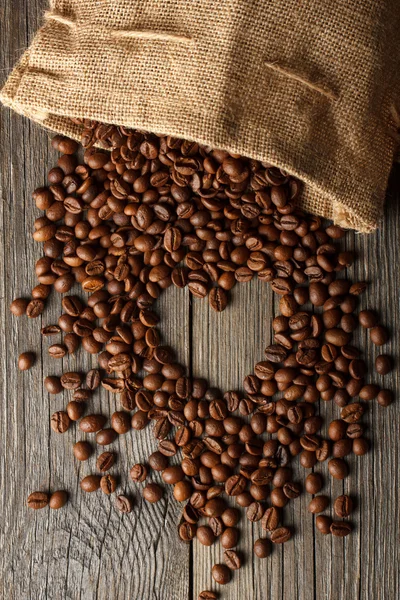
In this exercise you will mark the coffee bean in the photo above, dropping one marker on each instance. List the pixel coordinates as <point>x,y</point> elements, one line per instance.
<point>57,350</point>
<point>379,335</point>
<point>271,518</point>
<point>53,385</point>
<point>26,360</point>
<point>105,461</point>
<point>323,524</point>
<point>107,436</point>
<point>230,517</point>
<point>152,493</point>
<point>340,528</point>
<point>92,423</point>
<point>383,364</point>
<point>318,504</point>
<point>221,574</point>
<point>207,595</point>
<point>60,421</point>
<point>281,535</point>
<point>360,446</point>
<point>218,299</point>
<point>19,306</point>
<point>232,560</point>
<point>138,473</point>
<point>205,535</point>
<point>91,483</point>
<point>123,504</point>
<point>75,410</point>
<point>58,499</point>
<point>229,537</point>
<point>93,379</point>
<point>82,450</point>
<point>385,397</point>
<point>38,500</point>
<point>313,483</point>
<point>71,381</point>
<point>262,548</point>
<point>35,308</point>
<point>343,506</point>
<point>338,468</point>
<point>108,484</point>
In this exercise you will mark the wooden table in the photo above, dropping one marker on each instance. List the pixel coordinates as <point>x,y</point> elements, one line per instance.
<point>88,550</point>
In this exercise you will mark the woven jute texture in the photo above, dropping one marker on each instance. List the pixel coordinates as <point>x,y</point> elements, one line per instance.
<point>308,85</point>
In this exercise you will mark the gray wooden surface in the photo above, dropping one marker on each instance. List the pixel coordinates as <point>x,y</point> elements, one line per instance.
<point>87,550</point>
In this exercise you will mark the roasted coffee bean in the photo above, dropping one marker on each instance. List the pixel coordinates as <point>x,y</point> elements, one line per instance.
<point>281,535</point>
<point>105,461</point>
<point>343,506</point>
<point>313,483</point>
<point>207,595</point>
<point>107,436</point>
<point>71,381</point>
<point>60,421</point>
<point>82,450</point>
<point>262,548</point>
<point>205,535</point>
<point>92,423</point>
<point>152,493</point>
<point>338,468</point>
<point>58,499</point>
<point>323,524</point>
<point>19,306</point>
<point>26,360</point>
<point>75,410</point>
<point>385,397</point>
<point>138,473</point>
<point>221,574</point>
<point>271,518</point>
<point>53,384</point>
<point>38,500</point>
<point>318,504</point>
<point>108,484</point>
<point>232,560</point>
<point>123,504</point>
<point>91,483</point>
<point>379,335</point>
<point>340,528</point>
<point>93,379</point>
<point>383,364</point>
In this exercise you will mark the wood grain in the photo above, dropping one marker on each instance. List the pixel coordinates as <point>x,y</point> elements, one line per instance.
<point>88,550</point>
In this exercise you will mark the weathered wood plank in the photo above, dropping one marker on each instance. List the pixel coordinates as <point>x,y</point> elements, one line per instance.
<point>88,550</point>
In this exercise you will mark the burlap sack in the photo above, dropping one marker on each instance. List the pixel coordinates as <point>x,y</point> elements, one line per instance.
<point>308,85</point>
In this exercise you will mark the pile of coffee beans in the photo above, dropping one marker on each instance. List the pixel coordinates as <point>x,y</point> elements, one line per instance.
<point>142,212</point>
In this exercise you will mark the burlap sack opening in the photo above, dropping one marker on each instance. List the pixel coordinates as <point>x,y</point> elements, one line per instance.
<point>308,86</point>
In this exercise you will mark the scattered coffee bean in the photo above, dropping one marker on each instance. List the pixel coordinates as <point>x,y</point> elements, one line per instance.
<point>323,524</point>
<point>108,484</point>
<point>221,574</point>
<point>60,421</point>
<point>340,528</point>
<point>38,500</point>
<point>26,360</point>
<point>91,483</point>
<point>18,306</point>
<point>82,450</point>
<point>58,499</point>
<point>152,493</point>
<point>343,506</point>
<point>123,504</point>
<point>262,548</point>
<point>232,560</point>
<point>105,461</point>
